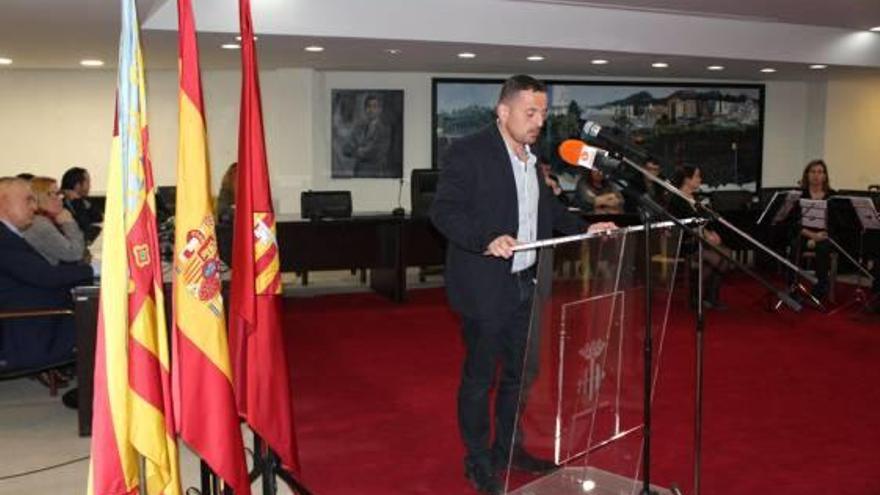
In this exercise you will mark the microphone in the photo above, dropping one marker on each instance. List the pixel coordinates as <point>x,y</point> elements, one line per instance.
<point>399,211</point>
<point>592,131</point>
<point>580,154</point>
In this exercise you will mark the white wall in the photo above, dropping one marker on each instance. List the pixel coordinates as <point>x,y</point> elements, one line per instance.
<point>51,120</point>
<point>852,137</point>
<point>785,133</point>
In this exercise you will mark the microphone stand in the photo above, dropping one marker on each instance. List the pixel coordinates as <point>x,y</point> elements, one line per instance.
<point>650,207</point>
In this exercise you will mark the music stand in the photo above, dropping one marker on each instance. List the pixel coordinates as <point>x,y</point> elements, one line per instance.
<point>777,212</point>
<point>850,214</point>
<point>780,206</point>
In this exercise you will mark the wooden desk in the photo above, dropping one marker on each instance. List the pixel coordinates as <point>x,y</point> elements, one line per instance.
<point>383,244</point>
<point>85,307</point>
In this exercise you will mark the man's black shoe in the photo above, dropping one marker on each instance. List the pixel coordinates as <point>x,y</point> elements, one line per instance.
<point>527,463</point>
<point>482,478</point>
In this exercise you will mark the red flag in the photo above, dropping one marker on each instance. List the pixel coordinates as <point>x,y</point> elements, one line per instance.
<point>262,384</point>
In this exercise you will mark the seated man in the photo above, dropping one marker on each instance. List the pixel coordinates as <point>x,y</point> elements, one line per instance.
<point>75,185</point>
<point>28,281</point>
<point>595,194</point>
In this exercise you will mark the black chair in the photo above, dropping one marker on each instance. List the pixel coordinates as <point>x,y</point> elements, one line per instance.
<point>732,200</point>
<point>316,205</point>
<point>166,199</point>
<point>423,187</point>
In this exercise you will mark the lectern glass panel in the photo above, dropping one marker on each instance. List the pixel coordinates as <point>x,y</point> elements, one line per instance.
<point>582,403</point>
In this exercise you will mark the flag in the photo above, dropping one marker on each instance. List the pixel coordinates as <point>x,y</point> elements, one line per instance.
<point>262,384</point>
<point>204,404</point>
<point>132,397</point>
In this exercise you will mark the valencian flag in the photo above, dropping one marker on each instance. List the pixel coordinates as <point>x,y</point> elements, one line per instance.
<point>132,398</point>
<point>204,404</point>
<point>262,385</point>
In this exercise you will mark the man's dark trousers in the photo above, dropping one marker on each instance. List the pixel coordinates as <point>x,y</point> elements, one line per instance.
<point>488,342</point>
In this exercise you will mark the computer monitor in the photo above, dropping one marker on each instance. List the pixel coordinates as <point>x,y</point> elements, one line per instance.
<point>316,205</point>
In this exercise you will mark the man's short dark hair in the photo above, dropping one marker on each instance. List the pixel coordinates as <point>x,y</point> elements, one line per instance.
<point>25,176</point>
<point>370,98</point>
<point>72,177</point>
<point>517,83</point>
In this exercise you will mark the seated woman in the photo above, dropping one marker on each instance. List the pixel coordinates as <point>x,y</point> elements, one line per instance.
<point>54,232</point>
<point>593,193</point>
<point>226,197</point>
<point>688,180</point>
<point>814,185</point>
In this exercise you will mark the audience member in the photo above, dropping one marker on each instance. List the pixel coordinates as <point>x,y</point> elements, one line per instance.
<point>688,180</point>
<point>226,197</point>
<point>655,191</point>
<point>552,182</point>
<point>28,281</point>
<point>53,233</point>
<point>594,193</point>
<point>76,184</point>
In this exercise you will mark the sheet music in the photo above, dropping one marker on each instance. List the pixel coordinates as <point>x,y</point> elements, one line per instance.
<point>790,198</point>
<point>868,215</point>
<point>814,213</point>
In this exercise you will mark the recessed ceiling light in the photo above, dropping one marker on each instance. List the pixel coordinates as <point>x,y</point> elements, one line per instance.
<point>467,55</point>
<point>768,70</point>
<point>715,67</point>
<point>599,61</point>
<point>314,49</point>
<point>535,58</point>
<point>91,63</point>
<point>875,29</point>
<point>392,51</point>
<point>230,46</point>
<point>5,61</point>
<point>238,38</point>
<point>659,65</point>
<point>818,66</point>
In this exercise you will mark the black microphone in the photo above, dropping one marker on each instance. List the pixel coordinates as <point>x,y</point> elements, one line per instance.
<point>611,139</point>
<point>399,211</point>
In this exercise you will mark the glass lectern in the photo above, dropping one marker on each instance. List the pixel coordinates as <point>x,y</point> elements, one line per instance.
<point>583,399</point>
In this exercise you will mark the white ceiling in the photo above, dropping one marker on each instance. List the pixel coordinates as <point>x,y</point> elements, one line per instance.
<point>687,34</point>
<point>854,14</point>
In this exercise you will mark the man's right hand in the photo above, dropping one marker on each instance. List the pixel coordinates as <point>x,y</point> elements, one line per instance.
<point>501,246</point>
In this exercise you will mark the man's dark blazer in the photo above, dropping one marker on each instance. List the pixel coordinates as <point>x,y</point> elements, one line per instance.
<point>28,281</point>
<point>476,201</point>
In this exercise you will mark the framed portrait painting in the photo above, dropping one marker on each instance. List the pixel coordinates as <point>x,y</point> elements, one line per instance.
<point>367,133</point>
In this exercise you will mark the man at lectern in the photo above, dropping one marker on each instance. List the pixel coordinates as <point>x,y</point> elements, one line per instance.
<point>491,197</point>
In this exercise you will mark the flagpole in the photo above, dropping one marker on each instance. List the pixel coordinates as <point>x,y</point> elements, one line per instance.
<point>268,468</point>
<point>142,475</point>
<point>211,483</point>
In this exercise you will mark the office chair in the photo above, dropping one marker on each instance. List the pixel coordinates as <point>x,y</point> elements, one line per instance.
<point>423,187</point>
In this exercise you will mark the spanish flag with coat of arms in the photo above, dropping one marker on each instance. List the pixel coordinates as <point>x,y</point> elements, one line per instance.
<point>204,405</point>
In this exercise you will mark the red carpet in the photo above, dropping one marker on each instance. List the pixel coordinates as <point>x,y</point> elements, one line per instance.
<point>790,399</point>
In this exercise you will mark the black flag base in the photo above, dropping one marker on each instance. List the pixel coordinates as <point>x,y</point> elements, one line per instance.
<point>268,467</point>
<point>211,483</point>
